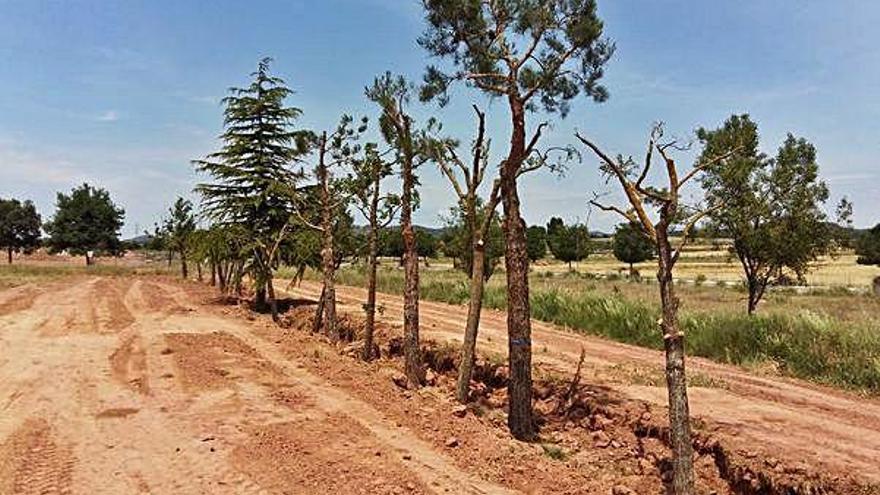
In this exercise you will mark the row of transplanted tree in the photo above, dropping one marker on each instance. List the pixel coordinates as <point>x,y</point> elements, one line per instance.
<point>276,194</point>
<point>86,222</point>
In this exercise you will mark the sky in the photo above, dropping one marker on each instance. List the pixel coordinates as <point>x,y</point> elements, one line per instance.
<point>125,94</point>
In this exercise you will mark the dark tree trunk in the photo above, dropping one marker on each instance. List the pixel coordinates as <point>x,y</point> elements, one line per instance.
<point>372,258</point>
<point>676,381</point>
<point>222,277</point>
<point>318,320</point>
<point>260,298</point>
<point>411,351</point>
<point>328,260</point>
<point>213,274</point>
<point>475,306</point>
<point>184,269</point>
<point>9,255</point>
<point>199,271</point>
<point>753,299</point>
<point>273,302</point>
<point>519,327</point>
<point>88,259</point>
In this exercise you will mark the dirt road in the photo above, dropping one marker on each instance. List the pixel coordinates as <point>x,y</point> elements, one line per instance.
<point>770,417</point>
<point>125,386</point>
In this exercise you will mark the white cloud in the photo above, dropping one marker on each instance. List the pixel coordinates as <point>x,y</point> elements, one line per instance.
<point>109,116</point>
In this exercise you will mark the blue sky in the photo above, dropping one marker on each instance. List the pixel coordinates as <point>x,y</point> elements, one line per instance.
<point>124,94</point>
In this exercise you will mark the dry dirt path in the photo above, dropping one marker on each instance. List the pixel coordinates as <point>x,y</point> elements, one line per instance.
<point>122,386</point>
<point>787,419</point>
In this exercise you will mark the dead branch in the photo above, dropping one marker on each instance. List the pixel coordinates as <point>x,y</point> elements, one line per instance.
<point>565,401</point>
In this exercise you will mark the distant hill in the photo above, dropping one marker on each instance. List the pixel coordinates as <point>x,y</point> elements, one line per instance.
<point>141,240</point>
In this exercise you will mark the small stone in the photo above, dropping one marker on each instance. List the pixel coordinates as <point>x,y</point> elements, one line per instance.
<point>452,442</point>
<point>400,380</point>
<point>430,377</point>
<point>600,439</point>
<point>407,457</point>
<point>460,411</point>
<point>621,490</point>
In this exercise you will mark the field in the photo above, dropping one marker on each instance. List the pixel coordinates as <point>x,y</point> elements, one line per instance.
<point>121,368</point>
<point>712,263</point>
<point>827,335</point>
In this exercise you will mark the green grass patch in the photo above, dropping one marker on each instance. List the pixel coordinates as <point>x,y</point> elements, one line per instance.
<point>804,344</point>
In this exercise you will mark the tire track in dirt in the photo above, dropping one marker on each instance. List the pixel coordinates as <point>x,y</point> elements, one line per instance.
<point>431,466</point>
<point>826,426</point>
<point>18,298</point>
<point>33,463</point>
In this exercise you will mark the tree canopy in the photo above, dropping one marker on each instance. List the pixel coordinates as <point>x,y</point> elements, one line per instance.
<point>536,242</point>
<point>868,247</point>
<point>630,244</point>
<point>179,227</point>
<point>546,52</point>
<point>458,238</point>
<point>253,182</point>
<point>19,226</point>
<point>770,207</point>
<point>86,220</point>
<point>568,243</point>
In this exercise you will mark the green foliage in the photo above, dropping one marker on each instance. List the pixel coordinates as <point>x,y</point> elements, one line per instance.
<point>556,46</point>
<point>426,244</point>
<point>631,245</point>
<point>868,247</point>
<point>568,243</point>
<point>251,173</point>
<point>771,207</point>
<point>85,220</point>
<point>19,226</point>
<point>179,226</point>
<point>808,345</point>
<point>364,186</point>
<point>391,242</point>
<point>253,185</point>
<point>458,240</point>
<point>536,242</point>
<point>302,246</point>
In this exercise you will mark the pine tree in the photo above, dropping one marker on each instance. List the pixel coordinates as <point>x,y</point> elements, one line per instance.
<point>335,150</point>
<point>253,182</point>
<point>179,228</point>
<point>532,55</point>
<point>365,186</point>
<point>410,146</point>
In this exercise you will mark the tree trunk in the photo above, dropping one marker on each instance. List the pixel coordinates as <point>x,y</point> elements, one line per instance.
<point>260,298</point>
<point>273,303</point>
<point>372,265</point>
<point>519,327</point>
<point>753,300</point>
<point>9,255</point>
<point>676,381</point>
<point>411,351</point>
<point>222,277</point>
<point>88,259</point>
<point>475,306</point>
<point>184,269</point>
<point>328,261</point>
<point>199,271</point>
<point>318,320</point>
